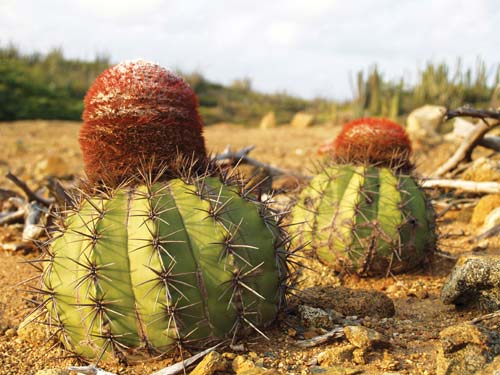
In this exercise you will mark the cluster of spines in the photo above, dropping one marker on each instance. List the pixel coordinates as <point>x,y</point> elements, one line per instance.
<point>350,233</point>
<point>100,310</point>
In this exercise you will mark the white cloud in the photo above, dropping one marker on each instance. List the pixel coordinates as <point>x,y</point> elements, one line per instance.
<point>306,47</point>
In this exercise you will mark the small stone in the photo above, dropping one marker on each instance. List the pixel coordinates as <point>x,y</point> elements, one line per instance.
<point>418,290</point>
<point>259,371</point>
<point>241,364</point>
<point>340,370</point>
<point>492,368</point>
<point>52,371</point>
<point>259,362</point>
<point>474,282</point>
<point>336,355</point>
<point>268,121</point>
<point>253,355</point>
<point>316,317</point>
<point>359,356</point>
<point>302,120</point>
<point>310,333</point>
<point>485,205</point>
<point>292,332</point>
<point>389,363</point>
<point>31,332</point>
<point>465,349</point>
<point>483,170</point>
<point>349,301</point>
<point>211,363</point>
<point>229,355</point>
<point>365,338</point>
<point>317,370</point>
<point>10,332</point>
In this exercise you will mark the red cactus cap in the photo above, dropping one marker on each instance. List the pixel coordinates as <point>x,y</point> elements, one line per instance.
<point>372,140</point>
<point>134,112</point>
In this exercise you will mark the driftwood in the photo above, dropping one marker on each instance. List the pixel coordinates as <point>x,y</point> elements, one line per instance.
<point>467,186</point>
<point>30,194</point>
<point>89,370</point>
<point>30,210</point>
<point>241,156</point>
<point>482,318</point>
<point>170,370</point>
<point>336,333</point>
<point>465,149</point>
<point>12,217</point>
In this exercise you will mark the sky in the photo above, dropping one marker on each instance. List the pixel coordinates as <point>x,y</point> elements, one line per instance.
<point>308,48</point>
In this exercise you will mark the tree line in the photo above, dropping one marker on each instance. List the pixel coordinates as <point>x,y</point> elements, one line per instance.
<point>51,86</point>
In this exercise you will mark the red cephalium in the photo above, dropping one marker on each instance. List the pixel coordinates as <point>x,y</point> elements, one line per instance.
<point>136,112</point>
<point>373,141</point>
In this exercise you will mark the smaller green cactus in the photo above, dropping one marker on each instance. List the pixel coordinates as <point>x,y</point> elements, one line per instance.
<point>364,212</point>
<point>368,220</point>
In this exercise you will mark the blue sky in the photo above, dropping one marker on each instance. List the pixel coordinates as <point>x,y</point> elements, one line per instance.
<point>308,48</point>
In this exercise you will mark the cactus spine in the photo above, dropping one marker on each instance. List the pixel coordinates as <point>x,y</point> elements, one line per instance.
<point>367,214</point>
<point>166,256</point>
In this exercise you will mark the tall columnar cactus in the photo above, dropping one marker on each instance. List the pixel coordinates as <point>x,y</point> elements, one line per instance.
<point>164,257</point>
<point>364,212</point>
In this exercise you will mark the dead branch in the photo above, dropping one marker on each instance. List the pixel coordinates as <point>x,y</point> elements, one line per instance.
<point>495,231</point>
<point>241,156</point>
<point>482,114</point>
<point>170,370</point>
<point>181,366</point>
<point>336,333</point>
<point>60,194</point>
<point>493,315</point>
<point>492,142</point>
<point>11,217</point>
<point>89,370</point>
<point>468,186</point>
<point>32,227</point>
<point>465,149</point>
<point>14,216</point>
<point>32,196</point>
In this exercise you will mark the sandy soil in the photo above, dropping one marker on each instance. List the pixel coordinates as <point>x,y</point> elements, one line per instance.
<point>26,146</point>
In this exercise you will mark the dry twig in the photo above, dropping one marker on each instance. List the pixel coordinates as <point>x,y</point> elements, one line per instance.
<point>241,156</point>
<point>493,315</point>
<point>170,370</point>
<point>468,186</point>
<point>464,151</point>
<point>30,194</point>
<point>336,333</point>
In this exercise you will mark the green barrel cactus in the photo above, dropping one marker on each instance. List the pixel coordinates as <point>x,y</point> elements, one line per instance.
<point>145,264</point>
<point>362,214</point>
<point>150,266</point>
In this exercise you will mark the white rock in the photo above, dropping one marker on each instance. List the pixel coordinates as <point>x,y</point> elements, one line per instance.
<point>423,123</point>
<point>461,129</point>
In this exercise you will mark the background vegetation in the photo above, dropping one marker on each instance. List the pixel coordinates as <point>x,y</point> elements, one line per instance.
<point>37,86</point>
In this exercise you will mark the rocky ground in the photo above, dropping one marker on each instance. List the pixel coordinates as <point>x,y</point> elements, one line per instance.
<point>393,325</point>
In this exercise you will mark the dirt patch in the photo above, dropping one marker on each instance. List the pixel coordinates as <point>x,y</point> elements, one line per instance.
<point>413,330</point>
